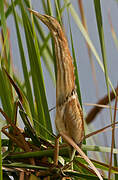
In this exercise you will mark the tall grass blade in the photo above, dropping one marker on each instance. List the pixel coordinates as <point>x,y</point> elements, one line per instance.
<point>97,6</point>
<point>1,177</point>
<point>36,71</point>
<point>5,88</point>
<point>44,6</point>
<point>98,164</point>
<point>81,8</point>
<point>45,50</point>
<point>75,65</point>
<point>49,7</point>
<point>113,140</point>
<point>50,12</point>
<point>21,96</point>
<point>4,28</point>
<point>9,10</point>
<point>58,8</point>
<point>85,34</point>
<point>24,66</point>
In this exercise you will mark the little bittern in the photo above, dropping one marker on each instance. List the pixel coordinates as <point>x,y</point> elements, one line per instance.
<point>69,115</point>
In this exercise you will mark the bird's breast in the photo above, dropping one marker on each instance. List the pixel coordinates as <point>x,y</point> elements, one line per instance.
<point>69,119</point>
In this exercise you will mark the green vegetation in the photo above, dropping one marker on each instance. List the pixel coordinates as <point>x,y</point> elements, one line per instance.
<point>28,153</point>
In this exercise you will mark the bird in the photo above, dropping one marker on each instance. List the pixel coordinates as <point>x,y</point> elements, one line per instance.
<point>69,115</point>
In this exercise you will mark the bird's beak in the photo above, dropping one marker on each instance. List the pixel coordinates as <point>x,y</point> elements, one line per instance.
<point>40,16</point>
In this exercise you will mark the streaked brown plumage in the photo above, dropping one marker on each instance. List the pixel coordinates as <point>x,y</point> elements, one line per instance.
<point>69,115</point>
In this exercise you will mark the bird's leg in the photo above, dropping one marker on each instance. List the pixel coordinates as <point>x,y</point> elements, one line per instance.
<point>72,155</point>
<point>56,150</point>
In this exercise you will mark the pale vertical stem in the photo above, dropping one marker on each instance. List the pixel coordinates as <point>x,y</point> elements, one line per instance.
<point>56,150</point>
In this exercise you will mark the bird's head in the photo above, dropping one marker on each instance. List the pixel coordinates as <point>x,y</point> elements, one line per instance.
<point>50,22</point>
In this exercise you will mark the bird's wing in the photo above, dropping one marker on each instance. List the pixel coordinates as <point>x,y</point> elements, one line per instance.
<point>73,120</point>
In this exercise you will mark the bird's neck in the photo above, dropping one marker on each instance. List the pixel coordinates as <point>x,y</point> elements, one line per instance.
<point>65,71</point>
